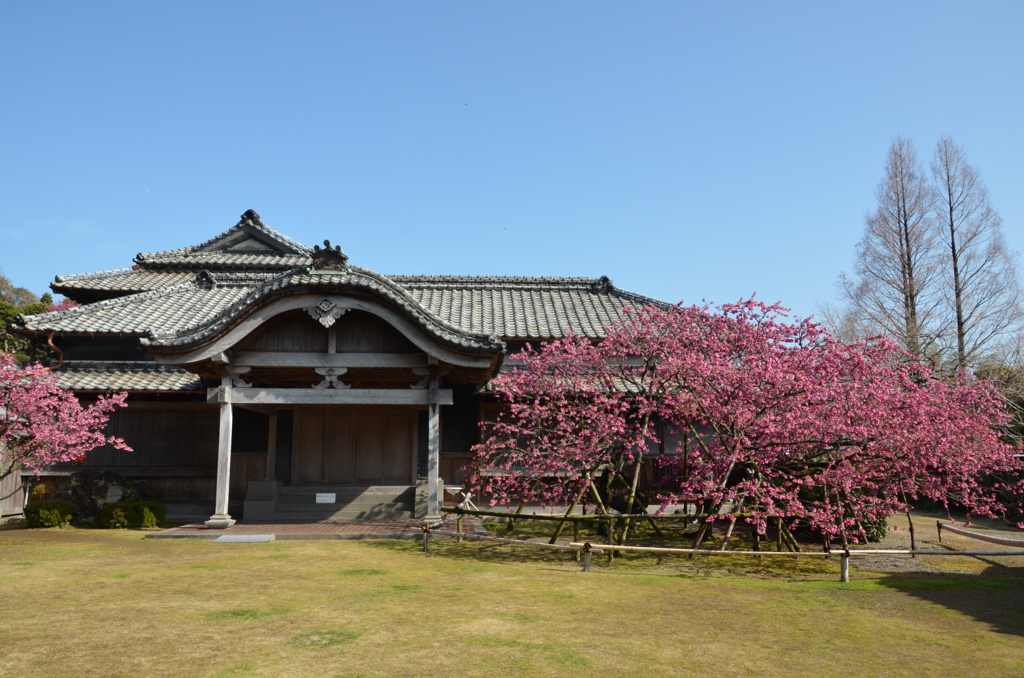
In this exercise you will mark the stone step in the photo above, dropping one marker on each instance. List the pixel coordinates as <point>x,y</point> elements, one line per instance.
<point>343,514</point>
<point>340,501</point>
<point>298,503</point>
<point>341,490</point>
<point>377,494</point>
<point>352,506</point>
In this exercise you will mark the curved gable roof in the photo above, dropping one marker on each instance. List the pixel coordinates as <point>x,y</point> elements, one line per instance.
<point>357,281</point>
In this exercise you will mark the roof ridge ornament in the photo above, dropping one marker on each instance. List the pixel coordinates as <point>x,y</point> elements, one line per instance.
<point>251,215</point>
<point>329,260</point>
<point>602,285</point>
<point>205,279</point>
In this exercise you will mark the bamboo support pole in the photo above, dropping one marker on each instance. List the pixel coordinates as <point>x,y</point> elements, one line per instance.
<point>576,537</point>
<point>568,512</point>
<point>591,516</point>
<point>611,538</point>
<point>511,525</point>
<point>790,539</point>
<point>977,535</point>
<point>469,536</point>
<point>819,554</point>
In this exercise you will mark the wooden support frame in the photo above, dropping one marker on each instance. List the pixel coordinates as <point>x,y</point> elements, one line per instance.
<point>329,396</point>
<point>329,359</point>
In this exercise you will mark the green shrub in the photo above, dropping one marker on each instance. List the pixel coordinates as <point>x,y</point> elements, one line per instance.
<point>49,513</point>
<point>123,514</point>
<point>114,517</point>
<point>876,530</point>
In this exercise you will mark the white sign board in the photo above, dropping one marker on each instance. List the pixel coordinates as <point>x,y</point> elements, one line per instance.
<point>326,497</point>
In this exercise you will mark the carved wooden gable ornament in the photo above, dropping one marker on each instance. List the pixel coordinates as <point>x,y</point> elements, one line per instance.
<point>329,259</point>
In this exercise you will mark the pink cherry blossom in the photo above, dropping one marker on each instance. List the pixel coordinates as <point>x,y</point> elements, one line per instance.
<point>42,424</point>
<point>757,410</point>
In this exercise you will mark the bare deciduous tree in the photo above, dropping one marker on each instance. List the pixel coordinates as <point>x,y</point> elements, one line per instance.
<point>897,290</point>
<point>933,270</point>
<point>979,272</point>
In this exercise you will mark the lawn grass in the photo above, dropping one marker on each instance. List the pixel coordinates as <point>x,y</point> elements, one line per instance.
<point>109,603</point>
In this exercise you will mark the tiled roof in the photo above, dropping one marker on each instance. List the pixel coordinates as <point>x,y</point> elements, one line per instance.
<point>199,260</point>
<point>126,280</point>
<point>521,307</point>
<point>264,248</point>
<point>460,310</point>
<point>183,296</point>
<point>252,221</point>
<point>87,375</point>
<point>162,311</point>
<point>249,246</point>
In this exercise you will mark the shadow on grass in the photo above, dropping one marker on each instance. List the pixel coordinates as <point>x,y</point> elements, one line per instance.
<point>681,565</point>
<point>994,597</point>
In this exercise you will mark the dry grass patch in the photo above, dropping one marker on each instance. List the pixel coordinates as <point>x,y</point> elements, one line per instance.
<point>124,606</point>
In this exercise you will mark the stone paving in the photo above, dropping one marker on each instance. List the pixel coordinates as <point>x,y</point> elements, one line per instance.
<point>327,529</point>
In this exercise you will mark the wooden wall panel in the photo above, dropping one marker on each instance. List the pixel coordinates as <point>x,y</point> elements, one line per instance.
<point>308,454</point>
<point>399,446</point>
<point>365,445</point>
<point>291,331</point>
<point>338,451</point>
<point>368,442</point>
<point>454,468</point>
<point>12,497</point>
<point>360,332</point>
<point>176,438</point>
<point>245,467</point>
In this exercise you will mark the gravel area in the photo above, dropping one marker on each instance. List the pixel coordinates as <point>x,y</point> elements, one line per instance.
<point>926,536</point>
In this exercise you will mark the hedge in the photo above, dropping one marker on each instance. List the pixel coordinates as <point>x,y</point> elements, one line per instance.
<point>49,513</point>
<point>134,514</point>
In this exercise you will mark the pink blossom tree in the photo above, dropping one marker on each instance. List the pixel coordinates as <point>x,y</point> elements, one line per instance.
<point>773,416</point>
<point>42,424</point>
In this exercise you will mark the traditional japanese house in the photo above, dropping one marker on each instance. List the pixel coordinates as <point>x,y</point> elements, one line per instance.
<point>264,374</point>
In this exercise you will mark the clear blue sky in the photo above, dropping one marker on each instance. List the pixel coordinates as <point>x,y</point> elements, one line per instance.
<point>685,150</point>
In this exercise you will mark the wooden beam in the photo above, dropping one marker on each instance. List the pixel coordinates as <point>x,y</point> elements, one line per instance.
<point>330,396</point>
<point>286,359</point>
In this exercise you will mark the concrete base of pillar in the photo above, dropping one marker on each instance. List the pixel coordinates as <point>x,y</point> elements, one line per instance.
<point>220,521</point>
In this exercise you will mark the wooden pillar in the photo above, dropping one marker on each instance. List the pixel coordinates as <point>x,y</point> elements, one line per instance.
<point>220,517</point>
<point>271,470</point>
<point>433,449</point>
